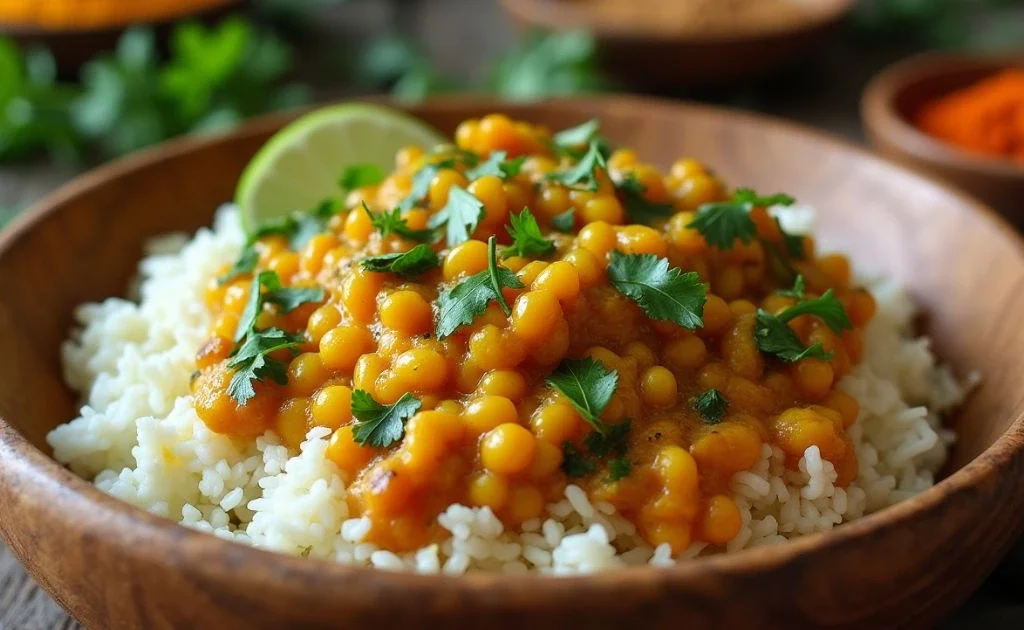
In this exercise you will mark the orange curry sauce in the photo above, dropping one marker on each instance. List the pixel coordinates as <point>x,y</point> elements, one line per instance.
<point>490,430</point>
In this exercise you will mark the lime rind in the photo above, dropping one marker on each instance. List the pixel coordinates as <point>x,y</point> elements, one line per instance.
<point>301,164</point>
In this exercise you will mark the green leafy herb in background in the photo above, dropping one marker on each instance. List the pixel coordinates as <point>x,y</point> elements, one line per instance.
<point>34,106</point>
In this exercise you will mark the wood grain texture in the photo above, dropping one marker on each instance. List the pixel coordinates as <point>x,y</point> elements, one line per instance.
<point>116,567</point>
<point>897,94</point>
<point>657,45</point>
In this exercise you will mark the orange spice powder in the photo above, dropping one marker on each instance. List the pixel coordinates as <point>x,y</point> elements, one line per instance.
<point>987,117</point>
<point>79,14</point>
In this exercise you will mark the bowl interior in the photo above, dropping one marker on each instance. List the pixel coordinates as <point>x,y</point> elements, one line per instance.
<point>963,267</point>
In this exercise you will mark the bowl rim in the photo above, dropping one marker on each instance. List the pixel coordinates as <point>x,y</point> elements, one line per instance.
<point>525,10</point>
<point>62,493</point>
<point>879,112</point>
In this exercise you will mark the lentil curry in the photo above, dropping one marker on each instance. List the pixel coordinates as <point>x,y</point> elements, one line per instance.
<point>495,319</point>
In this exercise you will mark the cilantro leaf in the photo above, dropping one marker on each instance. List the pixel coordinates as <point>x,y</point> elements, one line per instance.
<point>251,362</point>
<point>723,223</point>
<point>410,264</point>
<point>527,239</point>
<point>711,405</point>
<point>311,223</point>
<point>827,308</point>
<point>460,215</point>
<point>749,197</point>
<point>459,306</point>
<point>797,292</point>
<point>611,442</point>
<point>292,298</point>
<point>499,165</point>
<point>663,292</point>
<point>359,175</point>
<point>775,337</point>
<point>388,223</point>
<point>380,425</point>
<point>565,222</point>
<point>421,180</point>
<point>619,468</point>
<point>588,385</point>
<point>246,263</point>
<point>577,136</point>
<point>574,463</point>
<point>637,207</point>
<point>584,173</point>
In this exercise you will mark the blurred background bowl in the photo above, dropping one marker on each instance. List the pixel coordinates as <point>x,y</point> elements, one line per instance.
<point>77,35</point>
<point>896,94</point>
<point>668,44</point>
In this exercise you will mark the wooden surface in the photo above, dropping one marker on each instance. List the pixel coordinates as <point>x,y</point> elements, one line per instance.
<point>824,92</point>
<point>74,537</point>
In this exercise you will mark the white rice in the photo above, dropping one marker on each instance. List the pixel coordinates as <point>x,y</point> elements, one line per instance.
<point>139,439</point>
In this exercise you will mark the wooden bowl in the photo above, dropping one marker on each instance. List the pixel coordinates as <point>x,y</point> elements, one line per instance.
<point>649,46</point>
<point>898,92</point>
<point>114,566</point>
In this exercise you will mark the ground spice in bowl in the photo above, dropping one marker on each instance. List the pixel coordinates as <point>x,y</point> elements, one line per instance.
<point>986,117</point>
<point>91,14</point>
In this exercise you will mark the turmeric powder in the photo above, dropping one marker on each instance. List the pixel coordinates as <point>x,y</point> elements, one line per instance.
<point>86,14</point>
<point>987,117</point>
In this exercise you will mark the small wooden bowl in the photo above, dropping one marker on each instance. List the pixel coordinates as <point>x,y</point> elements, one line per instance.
<point>649,49</point>
<point>114,566</point>
<point>897,93</point>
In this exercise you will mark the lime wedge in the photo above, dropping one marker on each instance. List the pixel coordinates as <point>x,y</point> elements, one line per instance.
<point>301,165</point>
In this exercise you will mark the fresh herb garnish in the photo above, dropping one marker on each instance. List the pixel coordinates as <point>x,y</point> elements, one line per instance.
<point>527,239</point>
<point>460,216</point>
<point>380,425</point>
<point>421,180</point>
<point>499,165</point>
<point>611,443</point>
<point>388,223</point>
<point>578,136</point>
<point>359,175</point>
<point>410,264</point>
<point>638,208</point>
<point>246,263</point>
<point>723,223</point>
<point>711,405</point>
<point>663,293</point>
<point>461,305</point>
<point>619,468</point>
<point>797,292</point>
<point>584,174</point>
<point>287,299</point>
<point>775,337</point>
<point>298,228</point>
<point>588,385</point>
<point>252,361</point>
<point>564,222</point>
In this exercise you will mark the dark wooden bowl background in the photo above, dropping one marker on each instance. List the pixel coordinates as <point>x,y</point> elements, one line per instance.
<point>656,57</point>
<point>895,96</point>
<point>113,566</point>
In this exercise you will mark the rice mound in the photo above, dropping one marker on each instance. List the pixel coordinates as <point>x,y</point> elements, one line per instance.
<point>140,440</point>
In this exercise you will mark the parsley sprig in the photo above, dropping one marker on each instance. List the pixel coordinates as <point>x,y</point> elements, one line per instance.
<point>410,264</point>
<point>589,387</point>
<point>662,292</point>
<point>725,222</point>
<point>459,216</point>
<point>638,208</point>
<point>391,222</point>
<point>497,164</point>
<point>461,305</point>
<point>527,239</point>
<point>252,360</point>
<point>578,136</point>
<point>711,405</point>
<point>774,336</point>
<point>380,425</point>
<point>584,174</point>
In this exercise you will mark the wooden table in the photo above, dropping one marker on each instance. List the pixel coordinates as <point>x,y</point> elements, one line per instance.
<point>824,93</point>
